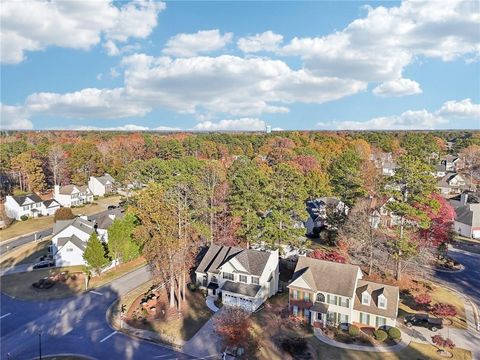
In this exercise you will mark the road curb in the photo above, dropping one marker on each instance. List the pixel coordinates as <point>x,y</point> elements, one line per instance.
<point>66,354</point>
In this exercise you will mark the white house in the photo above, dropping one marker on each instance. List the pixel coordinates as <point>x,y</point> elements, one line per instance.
<point>101,185</point>
<point>326,293</point>
<point>467,220</point>
<point>317,211</point>
<point>240,277</point>
<point>70,238</point>
<point>452,183</point>
<point>30,205</point>
<point>72,195</point>
<point>450,162</point>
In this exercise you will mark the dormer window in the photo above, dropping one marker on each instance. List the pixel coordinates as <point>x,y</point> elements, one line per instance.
<point>365,298</point>
<point>382,302</point>
<point>320,297</point>
<point>228,276</point>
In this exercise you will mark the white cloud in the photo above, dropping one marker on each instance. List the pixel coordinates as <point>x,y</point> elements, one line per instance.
<point>242,124</point>
<point>379,46</point>
<point>266,41</point>
<point>396,88</point>
<point>126,127</point>
<point>71,24</point>
<point>14,118</point>
<point>461,109</point>
<point>111,48</point>
<point>413,120</point>
<point>201,42</point>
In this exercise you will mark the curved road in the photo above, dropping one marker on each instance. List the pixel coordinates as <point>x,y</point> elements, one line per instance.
<point>75,325</point>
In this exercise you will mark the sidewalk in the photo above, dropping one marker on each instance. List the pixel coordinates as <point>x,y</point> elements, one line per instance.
<point>375,348</point>
<point>210,300</point>
<point>205,343</point>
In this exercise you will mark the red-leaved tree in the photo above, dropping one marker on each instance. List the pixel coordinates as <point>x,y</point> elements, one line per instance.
<point>233,325</point>
<point>328,256</point>
<point>423,300</point>
<point>442,342</point>
<point>441,218</point>
<point>443,310</point>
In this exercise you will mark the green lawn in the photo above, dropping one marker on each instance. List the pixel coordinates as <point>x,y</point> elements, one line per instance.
<point>26,254</point>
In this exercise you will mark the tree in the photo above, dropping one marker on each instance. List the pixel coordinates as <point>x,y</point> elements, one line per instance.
<point>334,256</point>
<point>57,162</point>
<point>441,215</point>
<point>63,214</point>
<point>443,310</point>
<point>443,343</point>
<point>470,160</point>
<point>423,300</point>
<point>411,188</point>
<point>94,253</point>
<point>84,160</point>
<point>30,171</point>
<point>212,177</point>
<point>233,325</point>
<point>120,242</point>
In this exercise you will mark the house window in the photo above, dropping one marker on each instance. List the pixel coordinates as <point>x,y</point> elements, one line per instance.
<point>228,276</point>
<point>69,250</point>
<point>332,299</point>
<point>306,313</point>
<point>295,294</point>
<point>365,298</point>
<point>381,321</point>
<point>365,318</point>
<point>345,302</point>
<point>25,207</point>
<point>320,297</point>
<point>306,296</point>
<point>382,302</point>
<point>214,279</point>
<point>295,310</point>
<point>319,316</point>
<point>243,278</point>
<point>343,318</point>
<point>331,317</point>
<point>255,280</point>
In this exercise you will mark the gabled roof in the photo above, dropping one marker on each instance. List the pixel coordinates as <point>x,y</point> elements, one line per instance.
<point>468,214</point>
<point>104,221</point>
<point>69,189</point>
<point>81,224</point>
<point>317,206</point>
<point>444,182</point>
<point>375,290</point>
<point>51,203</point>
<point>327,276</point>
<point>441,167</point>
<point>253,261</point>
<point>82,245</point>
<point>20,199</point>
<point>105,179</point>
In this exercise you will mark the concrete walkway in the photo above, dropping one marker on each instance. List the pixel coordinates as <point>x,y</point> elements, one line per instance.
<point>211,303</point>
<point>374,348</point>
<point>205,343</point>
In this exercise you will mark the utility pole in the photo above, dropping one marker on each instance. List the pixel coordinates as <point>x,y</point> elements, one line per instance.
<point>40,345</point>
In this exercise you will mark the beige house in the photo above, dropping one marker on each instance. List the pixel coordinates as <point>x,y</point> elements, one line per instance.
<point>326,293</point>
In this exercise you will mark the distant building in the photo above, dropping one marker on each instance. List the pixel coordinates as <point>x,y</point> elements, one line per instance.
<point>317,211</point>
<point>268,129</point>
<point>30,205</point>
<point>452,183</point>
<point>101,185</point>
<point>467,221</point>
<point>72,195</point>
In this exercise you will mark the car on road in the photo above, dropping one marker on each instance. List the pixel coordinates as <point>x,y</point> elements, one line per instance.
<point>111,207</point>
<point>43,264</point>
<point>424,320</point>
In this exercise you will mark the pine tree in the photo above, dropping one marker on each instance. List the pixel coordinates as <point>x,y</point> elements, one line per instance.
<point>94,253</point>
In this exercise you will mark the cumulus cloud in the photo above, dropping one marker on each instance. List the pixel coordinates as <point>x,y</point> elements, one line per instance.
<point>201,42</point>
<point>396,88</point>
<point>379,46</point>
<point>14,118</point>
<point>413,120</point>
<point>72,24</point>
<point>266,41</point>
<point>126,127</point>
<point>242,124</point>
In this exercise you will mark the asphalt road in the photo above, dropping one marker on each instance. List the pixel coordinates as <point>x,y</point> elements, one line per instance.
<point>466,281</point>
<point>8,246</point>
<point>75,325</point>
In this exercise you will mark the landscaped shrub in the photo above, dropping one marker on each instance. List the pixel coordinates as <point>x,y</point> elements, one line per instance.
<point>353,330</point>
<point>443,310</point>
<point>380,335</point>
<point>192,286</point>
<point>394,333</point>
<point>63,213</point>
<point>423,300</point>
<point>443,343</point>
<point>294,345</point>
<point>24,217</point>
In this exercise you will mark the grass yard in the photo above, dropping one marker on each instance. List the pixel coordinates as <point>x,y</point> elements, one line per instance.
<point>19,228</point>
<point>268,328</point>
<point>19,285</point>
<point>25,254</point>
<point>439,295</point>
<point>194,314</point>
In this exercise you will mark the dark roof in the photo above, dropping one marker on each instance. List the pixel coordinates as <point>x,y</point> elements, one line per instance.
<point>317,207</point>
<point>327,276</point>
<point>20,199</point>
<point>472,198</point>
<point>253,261</point>
<point>441,167</point>
<point>212,285</point>
<point>105,178</point>
<point>61,242</point>
<point>468,214</point>
<point>241,288</point>
<point>375,289</point>
<point>104,221</point>
<point>319,307</point>
<point>47,203</point>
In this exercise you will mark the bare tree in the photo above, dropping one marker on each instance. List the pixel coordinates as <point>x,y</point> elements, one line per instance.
<point>57,162</point>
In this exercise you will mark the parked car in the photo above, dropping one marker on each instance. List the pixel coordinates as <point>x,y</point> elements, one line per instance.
<point>424,320</point>
<point>43,264</point>
<point>111,207</point>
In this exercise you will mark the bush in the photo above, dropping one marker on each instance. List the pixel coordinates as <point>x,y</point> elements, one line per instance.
<point>380,335</point>
<point>192,286</point>
<point>294,346</point>
<point>443,343</point>
<point>63,213</point>
<point>394,333</point>
<point>423,300</point>
<point>24,217</point>
<point>353,330</point>
<point>443,310</point>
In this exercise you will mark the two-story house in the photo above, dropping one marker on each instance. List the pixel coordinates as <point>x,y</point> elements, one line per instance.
<point>240,277</point>
<point>450,162</point>
<point>72,195</point>
<point>452,183</point>
<point>30,205</point>
<point>317,210</point>
<point>101,185</point>
<point>326,293</point>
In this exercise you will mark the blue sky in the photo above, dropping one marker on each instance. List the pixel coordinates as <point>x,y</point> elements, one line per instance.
<point>240,65</point>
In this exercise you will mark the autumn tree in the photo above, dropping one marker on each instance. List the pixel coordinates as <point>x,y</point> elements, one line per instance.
<point>30,171</point>
<point>94,254</point>
<point>121,245</point>
<point>333,256</point>
<point>57,162</point>
<point>84,161</point>
<point>470,160</point>
<point>234,326</point>
<point>63,213</point>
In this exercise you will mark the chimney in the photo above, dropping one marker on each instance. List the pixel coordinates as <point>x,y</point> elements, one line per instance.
<point>464,198</point>
<point>56,189</point>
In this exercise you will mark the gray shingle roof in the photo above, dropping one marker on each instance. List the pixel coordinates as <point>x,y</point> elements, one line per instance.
<point>327,276</point>
<point>81,224</point>
<point>82,245</point>
<point>51,202</point>
<point>68,189</point>
<point>105,178</point>
<point>375,289</point>
<point>468,214</point>
<point>21,198</point>
<point>316,207</point>
<point>240,288</point>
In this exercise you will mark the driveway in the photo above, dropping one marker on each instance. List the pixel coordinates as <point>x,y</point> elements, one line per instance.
<point>205,343</point>
<point>75,325</point>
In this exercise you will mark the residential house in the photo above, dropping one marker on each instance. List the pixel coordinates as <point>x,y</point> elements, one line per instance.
<point>450,162</point>
<point>466,197</point>
<point>452,183</point>
<point>318,215</point>
<point>101,185</point>
<point>467,221</point>
<point>72,195</point>
<point>388,168</point>
<point>240,277</point>
<point>30,205</point>
<point>326,293</point>
<point>440,170</point>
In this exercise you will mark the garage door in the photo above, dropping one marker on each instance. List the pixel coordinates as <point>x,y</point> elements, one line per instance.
<point>237,301</point>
